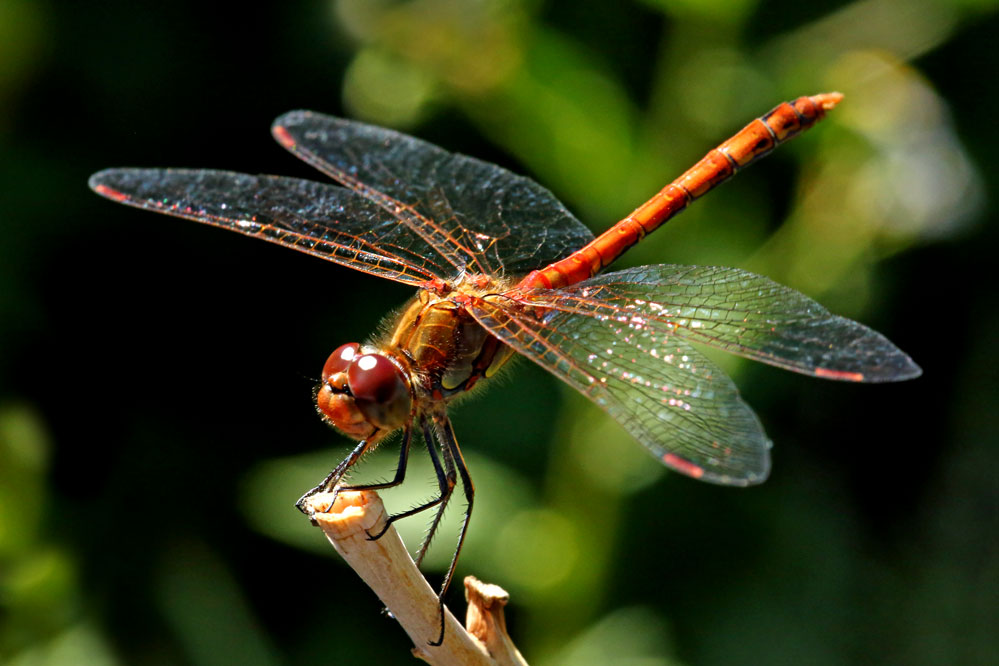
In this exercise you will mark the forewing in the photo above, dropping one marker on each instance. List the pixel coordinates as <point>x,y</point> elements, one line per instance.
<point>330,222</point>
<point>743,313</point>
<point>478,215</point>
<point>667,395</point>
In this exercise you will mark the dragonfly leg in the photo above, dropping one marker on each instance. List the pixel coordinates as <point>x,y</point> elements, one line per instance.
<point>447,478</point>
<point>334,477</point>
<point>444,483</point>
<point>452,454</point>
<point>400,470</point>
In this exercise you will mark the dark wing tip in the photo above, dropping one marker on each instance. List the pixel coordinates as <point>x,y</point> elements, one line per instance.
<point>747,478</point>
<point>897,367</point>
<point>283,136</point>
<point>291,117</point>
<point>749,473</point>
<point>281,128</point>
<point>105,184</point>
<point>311,120</point>
<point>101,178</point>
<point>757,475</point>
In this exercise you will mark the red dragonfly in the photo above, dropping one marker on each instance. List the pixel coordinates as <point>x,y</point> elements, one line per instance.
<point>502,267</point>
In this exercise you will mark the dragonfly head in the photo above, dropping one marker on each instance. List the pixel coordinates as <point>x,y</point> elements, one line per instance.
<point>363,394</point>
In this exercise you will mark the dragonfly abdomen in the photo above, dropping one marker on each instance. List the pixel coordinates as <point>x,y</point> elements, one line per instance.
<point>752,142</point>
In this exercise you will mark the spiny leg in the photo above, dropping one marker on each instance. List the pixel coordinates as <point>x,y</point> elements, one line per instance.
<point>442,483</point>
<point>400,470</point>
<point>452,454</point>
<point>334,477</point>
<point>447,478</point>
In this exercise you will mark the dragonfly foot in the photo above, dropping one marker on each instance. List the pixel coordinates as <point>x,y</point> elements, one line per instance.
<point>440,639</point>
<point>380,533</point>
<point>305,506</point>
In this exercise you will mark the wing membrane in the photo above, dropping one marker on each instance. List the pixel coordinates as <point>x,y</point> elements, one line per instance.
<point>330,222</point>
<point>743,313</point>
<point>480,216</point>
<point>667,395</point>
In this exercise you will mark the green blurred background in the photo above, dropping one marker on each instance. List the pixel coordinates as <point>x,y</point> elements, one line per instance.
<point>156,423</point>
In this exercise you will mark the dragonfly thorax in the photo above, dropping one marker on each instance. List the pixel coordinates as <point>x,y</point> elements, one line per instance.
<point>448,351</point>
<point>364,393</point>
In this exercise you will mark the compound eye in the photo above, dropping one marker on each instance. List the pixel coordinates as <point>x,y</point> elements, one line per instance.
<point>376,379</point>
<point>340,359</point>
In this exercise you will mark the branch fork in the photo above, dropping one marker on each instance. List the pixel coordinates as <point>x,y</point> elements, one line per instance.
<point>387,568</point>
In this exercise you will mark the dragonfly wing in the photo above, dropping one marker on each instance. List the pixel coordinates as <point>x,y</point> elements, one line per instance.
<point>330,222</point>
<point>743,313</point>
<point>479,215</point>
<point>671,398</point>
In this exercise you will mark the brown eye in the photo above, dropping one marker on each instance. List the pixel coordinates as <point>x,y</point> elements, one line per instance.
<point>375,378</point>
<point>340,359</point>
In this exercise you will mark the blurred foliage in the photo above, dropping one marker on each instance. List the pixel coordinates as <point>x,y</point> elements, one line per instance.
<point>155,419</point>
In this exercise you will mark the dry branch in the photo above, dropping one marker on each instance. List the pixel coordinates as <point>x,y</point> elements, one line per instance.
<point>386,566</point>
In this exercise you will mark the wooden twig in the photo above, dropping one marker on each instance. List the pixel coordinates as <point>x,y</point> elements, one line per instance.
<point>485,620</point>
<point>386,566</point>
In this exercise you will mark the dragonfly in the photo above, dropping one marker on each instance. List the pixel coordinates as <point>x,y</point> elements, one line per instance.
<point>502,268</point>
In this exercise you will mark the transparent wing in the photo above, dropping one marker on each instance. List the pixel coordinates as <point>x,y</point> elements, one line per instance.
<point>667,395</point>
<point>479,216</point>
<point>742,313</point>
<point>330,222</point>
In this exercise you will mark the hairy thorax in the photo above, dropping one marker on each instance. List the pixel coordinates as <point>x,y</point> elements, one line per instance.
<point>446,350</point>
